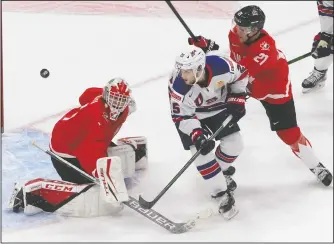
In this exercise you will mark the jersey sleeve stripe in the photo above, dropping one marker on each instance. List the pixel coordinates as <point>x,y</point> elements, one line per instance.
<point>279,96</point>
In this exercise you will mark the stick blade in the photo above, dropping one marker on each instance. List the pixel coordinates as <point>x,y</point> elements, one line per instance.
<point>145,204</point>
<point>183,227</point>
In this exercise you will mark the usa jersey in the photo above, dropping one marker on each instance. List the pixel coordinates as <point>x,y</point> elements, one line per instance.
<point>191,103</point>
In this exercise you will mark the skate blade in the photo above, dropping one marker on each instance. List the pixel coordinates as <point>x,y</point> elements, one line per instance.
<point>230,214</point>
<point>313,89</point>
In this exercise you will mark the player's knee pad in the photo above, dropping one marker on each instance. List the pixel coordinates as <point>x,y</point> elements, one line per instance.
<point>133,154</point>
<point>229,149</point>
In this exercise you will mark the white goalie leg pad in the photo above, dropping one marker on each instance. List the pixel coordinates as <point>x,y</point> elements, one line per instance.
<point>91,203</point>
<point>127,155</point>
<point>111,179</point>
<point>139,143</point>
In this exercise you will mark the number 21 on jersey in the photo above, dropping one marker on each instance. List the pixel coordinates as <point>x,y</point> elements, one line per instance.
<point>261,58</point>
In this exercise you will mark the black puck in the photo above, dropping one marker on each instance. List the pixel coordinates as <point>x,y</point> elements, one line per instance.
<point>45,73</point>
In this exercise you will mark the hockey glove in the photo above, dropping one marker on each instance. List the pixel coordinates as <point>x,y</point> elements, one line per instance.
<point>322,46</point>
<point>236,106</point>
<point>205,44</point>
<point>200,141</point>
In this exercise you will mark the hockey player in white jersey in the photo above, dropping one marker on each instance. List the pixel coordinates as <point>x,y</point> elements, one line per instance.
<point>204,90</point>
<point>322,50</point>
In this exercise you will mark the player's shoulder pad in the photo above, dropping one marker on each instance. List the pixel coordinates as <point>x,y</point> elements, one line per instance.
<point>178,89</point>
<point>265,43</point>
<point>219,65</point>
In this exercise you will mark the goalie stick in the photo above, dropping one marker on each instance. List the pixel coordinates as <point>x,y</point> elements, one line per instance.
<point>152,215</point>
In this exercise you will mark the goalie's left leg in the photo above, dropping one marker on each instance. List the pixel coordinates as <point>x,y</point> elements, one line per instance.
<point>76,200</point>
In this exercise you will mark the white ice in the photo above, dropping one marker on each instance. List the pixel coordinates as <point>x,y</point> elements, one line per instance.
<point>278,198</point>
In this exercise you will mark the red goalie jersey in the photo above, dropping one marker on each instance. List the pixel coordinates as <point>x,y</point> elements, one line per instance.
<point>267,67</point>
<point>85,132</point>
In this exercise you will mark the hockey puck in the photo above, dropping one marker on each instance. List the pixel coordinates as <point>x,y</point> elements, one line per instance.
<point>45,73</point>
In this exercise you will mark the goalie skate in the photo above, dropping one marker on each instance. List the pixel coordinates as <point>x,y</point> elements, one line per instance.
<point>16,200</point>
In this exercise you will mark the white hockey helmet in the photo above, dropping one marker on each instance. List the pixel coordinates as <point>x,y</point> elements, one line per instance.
<point>116,94</point>
<point>191,58</point>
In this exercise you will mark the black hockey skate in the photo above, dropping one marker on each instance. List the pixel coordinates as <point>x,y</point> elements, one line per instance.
<point>231,184</point>
<point>315,81</point>
<point>227,205</point>
<point>16,201</point>
<point>323,174</point>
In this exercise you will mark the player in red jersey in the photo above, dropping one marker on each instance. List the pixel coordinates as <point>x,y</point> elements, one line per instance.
<point>269,82</point>
<point>83,137</point>
<point>83,134</point>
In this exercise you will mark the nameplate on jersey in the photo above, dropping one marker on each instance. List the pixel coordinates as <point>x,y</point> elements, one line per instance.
<point>175,96</point>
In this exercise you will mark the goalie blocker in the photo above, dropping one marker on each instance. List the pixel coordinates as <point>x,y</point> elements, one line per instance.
<point>88,199</point>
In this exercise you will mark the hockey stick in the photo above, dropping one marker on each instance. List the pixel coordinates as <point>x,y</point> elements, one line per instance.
<point>180,19</point>
<point>175,228</point>
<point>299,58</point>
<point>147,205</point>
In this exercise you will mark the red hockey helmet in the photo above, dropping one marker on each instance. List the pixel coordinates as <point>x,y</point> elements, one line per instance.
<point>116,94</point>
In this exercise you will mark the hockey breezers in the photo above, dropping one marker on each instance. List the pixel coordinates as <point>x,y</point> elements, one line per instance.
<point>147,205</point>
<point>175,228</point>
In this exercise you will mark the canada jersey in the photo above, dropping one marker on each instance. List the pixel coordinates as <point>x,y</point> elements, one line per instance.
<point>191,103</point>
<point>267,67</point>
<point>86,132</point>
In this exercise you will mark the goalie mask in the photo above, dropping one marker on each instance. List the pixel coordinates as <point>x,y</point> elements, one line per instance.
<point>190,65</point>
<point>116,95</point>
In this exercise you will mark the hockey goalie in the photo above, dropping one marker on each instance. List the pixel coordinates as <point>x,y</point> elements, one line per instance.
<point>83,138</point>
